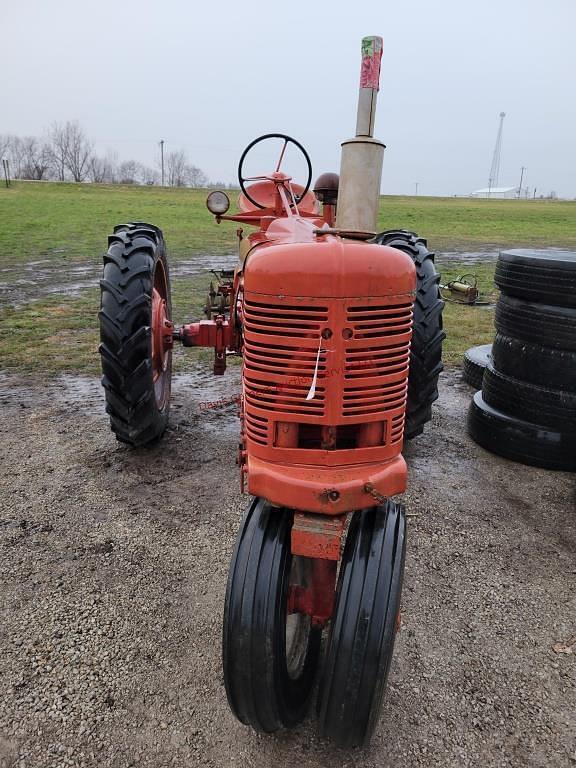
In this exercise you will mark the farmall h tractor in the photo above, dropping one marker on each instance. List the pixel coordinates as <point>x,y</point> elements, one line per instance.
<point>340,331</point>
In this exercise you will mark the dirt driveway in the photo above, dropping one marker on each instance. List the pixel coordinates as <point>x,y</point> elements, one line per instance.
<point>113,570</point>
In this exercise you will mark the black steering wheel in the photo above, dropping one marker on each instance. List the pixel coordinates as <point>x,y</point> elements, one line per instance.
<point>287,140</point>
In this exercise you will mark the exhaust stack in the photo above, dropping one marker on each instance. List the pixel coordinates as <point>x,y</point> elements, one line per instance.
<point>362,156</point>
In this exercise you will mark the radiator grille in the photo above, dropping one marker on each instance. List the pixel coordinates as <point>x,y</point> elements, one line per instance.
<point>362,368</point>
<point>257,428</point>
<point>397,428</point>
<point>280,352</point>
<point>283,398</point>
<point>374,322</point>
<point>377,359</point>
<point>283,320</point>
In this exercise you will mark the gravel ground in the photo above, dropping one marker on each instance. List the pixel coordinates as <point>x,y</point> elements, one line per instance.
<point>113,570</point>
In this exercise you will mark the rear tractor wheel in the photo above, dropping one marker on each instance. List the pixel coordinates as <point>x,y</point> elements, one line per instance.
<point>136,333</point>
<point>427,333</point>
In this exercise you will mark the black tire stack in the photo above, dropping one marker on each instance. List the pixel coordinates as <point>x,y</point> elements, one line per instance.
<point>526,410</point>
<point>476,359</point>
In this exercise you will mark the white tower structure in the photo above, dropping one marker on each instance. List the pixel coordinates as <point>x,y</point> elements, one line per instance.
<point>495,168</point>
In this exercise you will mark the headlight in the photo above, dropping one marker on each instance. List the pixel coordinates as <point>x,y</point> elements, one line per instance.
<point>218,202</point>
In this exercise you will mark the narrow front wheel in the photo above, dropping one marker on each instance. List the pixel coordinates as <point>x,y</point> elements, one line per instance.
<point>269,655</point>
<point>364,625</point>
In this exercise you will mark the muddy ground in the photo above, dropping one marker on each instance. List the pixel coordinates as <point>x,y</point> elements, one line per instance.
<point>113,571</point>
<point>22,283</point>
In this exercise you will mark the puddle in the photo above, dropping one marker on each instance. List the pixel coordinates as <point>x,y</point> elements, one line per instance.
<point>23,283</point>
<point>202,264</point>
<point>213,398</point>
<point>489,256</point>
<point>81,394</point>
<point>467,257</point>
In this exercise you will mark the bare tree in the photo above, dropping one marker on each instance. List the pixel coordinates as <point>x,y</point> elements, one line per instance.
<point>67,154</point>
<point>129,172</point>
<point>5,141</point>
<point>179,172</point>
<point>149,176</point>
<point>35,158</point>
<point>71,151</point>
<point>79,151</point>
<point>176,167</point>
<point>59,150</point>
<point>196,177</point>
<point>102,170</point>
<point>16,156</point>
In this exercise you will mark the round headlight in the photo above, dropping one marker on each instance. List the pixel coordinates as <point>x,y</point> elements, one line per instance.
<point>218,202</point>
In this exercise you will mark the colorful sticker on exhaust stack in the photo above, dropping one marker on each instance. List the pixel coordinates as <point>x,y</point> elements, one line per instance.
<point>371,58</point>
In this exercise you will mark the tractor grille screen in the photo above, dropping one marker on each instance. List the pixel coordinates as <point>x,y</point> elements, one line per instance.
<point>280,354</point>
<point>325,374</point>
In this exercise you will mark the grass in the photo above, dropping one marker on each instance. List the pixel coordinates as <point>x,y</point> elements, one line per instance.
<point>457,224</point>
<point>68,223</point>
<point>71,222</point>
<point>467,326</point>
<point>59,334</point>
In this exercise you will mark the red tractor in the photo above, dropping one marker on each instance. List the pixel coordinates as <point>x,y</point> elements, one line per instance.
<point>340,330</point>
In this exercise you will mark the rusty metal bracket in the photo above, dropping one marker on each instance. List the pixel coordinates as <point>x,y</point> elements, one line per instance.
<point>209,333</point>
<point>317,536</point>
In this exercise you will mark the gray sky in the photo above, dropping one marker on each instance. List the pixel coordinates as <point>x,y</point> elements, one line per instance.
<point>209,77</point>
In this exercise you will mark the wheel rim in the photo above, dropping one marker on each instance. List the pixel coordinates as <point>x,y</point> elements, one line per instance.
<point>162,340</point>
<point>298,625</point>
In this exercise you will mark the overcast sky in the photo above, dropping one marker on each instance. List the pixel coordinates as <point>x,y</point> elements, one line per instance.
<point>210,76</point>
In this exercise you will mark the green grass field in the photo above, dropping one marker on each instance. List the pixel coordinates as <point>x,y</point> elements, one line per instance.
<point>68,224</point>
<point>72,221</point>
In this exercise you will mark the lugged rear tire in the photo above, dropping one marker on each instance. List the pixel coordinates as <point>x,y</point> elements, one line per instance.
<point>136,367</point>
<point>427,333</point>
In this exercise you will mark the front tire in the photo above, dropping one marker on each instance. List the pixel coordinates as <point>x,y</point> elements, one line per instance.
<point>136,333</point>
<point>269,656</point>
<point>427,333</point>
<point>364,624</point>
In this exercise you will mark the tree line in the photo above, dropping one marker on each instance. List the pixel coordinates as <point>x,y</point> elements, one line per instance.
<point>65,153</point>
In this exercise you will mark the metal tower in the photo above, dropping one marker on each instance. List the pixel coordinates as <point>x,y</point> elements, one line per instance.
<point>495,168</point>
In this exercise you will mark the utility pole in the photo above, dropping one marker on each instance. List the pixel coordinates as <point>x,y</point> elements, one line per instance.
<point>162,159</point>
<point>416,183</point>
<point>521,178</point>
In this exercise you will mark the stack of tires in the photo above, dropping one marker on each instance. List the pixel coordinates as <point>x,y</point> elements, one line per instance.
<point>526,410</point>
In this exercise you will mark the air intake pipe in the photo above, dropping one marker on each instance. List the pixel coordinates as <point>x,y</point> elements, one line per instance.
<point>362,156</point>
